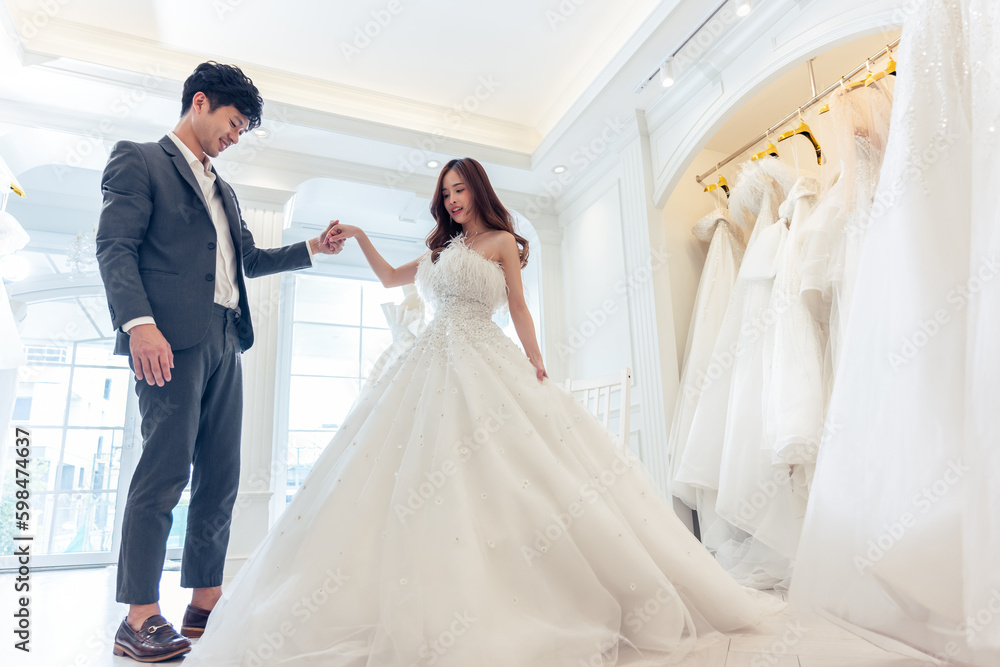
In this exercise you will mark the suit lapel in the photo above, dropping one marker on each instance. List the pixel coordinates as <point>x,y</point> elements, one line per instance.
<point>232,214</point>
<point>185,170</point>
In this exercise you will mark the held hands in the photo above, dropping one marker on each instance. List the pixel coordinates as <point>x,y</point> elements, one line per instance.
<point>152,357</point>
<point>330,242</point>
<point>337,233</point>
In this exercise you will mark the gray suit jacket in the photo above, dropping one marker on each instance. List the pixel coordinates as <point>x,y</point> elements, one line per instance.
<point>156,245</point>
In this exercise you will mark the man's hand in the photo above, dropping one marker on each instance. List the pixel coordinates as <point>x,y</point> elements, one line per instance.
<point>338,233</point>
<point>329,242</point>
<point>152,357</point>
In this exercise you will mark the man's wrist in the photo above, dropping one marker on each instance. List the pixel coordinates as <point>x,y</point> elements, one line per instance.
<point>128,326</point>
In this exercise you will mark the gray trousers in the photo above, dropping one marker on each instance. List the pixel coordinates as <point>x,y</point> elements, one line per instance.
<point>193,420</point>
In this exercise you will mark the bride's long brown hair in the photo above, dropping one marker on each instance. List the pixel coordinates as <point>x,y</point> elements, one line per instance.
<point>485,204</point>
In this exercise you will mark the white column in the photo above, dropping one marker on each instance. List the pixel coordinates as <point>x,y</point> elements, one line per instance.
<point>655,371</point>
<point>553,307</point>
<point>251,514</point>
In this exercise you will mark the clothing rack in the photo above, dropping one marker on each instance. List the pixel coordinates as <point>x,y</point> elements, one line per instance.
<point>816,98</point>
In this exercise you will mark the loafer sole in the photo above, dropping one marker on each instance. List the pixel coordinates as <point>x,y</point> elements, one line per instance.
<point>192,632</point>
<point>122,651</point>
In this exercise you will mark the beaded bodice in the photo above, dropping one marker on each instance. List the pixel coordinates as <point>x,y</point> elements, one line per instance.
<point>462,284</point>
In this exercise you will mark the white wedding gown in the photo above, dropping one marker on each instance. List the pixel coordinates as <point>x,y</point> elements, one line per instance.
<point>761,188</point>
<point>902,534</point>
<point>722,263</point>
<point>757,494</point>
<point>466,514</point>
<point>834,234</point>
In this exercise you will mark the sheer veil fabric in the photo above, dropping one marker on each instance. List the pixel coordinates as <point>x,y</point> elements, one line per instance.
<point>902,534</point>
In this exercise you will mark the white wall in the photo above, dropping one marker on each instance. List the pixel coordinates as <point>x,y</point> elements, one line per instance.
<point>596,341</point>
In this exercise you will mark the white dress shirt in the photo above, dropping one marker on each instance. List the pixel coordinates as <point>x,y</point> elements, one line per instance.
<point>227,293</point>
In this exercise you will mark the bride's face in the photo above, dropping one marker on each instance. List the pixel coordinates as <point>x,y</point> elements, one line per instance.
<point>457,198</point>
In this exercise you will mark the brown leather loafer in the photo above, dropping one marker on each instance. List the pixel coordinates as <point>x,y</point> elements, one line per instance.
<point>195,619</point>
<point>155,642</point>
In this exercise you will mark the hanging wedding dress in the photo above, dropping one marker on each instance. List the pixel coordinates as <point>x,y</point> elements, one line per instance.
<point>902,536</point>
<point>793,393</point>
<point>466,514</point>
<point>725,252</point>
<point>760,189</point>
<point>981,540</point>
<point>12,238</point>
<point>756,495</point>
<point>815,282</point>
<point>834,234</point>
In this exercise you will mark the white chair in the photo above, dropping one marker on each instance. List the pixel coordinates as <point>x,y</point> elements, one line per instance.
<point>595,393</point>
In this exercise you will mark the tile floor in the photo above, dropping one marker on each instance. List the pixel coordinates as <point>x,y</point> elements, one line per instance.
<point>74,620</point>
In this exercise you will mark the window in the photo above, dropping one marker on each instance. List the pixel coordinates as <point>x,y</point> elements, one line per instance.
<point>338,332</point>
<point>72,396</point>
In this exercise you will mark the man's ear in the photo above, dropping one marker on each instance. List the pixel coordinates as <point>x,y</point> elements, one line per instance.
<point>200,103</point>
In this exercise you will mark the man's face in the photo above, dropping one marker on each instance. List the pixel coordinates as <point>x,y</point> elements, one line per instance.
<point>216,129</point>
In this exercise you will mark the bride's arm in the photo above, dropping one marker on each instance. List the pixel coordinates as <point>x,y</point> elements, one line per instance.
<point>387,275</point>
<point>510,261</point>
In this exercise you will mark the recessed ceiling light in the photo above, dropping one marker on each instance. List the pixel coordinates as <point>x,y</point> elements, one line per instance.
<point>559,169</point>
<point>433,164</point>
<point>743,7</point>
<point>261,132</point>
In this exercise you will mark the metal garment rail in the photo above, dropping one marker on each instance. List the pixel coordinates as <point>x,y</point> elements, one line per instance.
<point>814,100</point>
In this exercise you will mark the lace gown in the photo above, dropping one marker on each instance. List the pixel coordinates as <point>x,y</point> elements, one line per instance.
<point>466,514</point>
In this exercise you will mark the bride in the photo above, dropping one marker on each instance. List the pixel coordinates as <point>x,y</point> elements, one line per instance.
<point>469,511</point>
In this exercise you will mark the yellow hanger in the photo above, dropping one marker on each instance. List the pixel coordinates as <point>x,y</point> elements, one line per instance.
<point>769,150</point>
<point>826,107</point>
<point>853,85</point>
<point>721,184</point>
<point>806,132</point>
<point>890,69</point>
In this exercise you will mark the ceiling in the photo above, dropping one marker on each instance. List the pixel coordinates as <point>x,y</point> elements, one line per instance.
<point>499,74</point>
<point>539,55</point>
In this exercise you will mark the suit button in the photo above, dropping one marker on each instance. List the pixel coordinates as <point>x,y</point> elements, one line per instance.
<point>211,246</point>
<point>209,277</point>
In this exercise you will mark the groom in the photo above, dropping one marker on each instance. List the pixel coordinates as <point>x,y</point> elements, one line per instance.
<point>173,251</point>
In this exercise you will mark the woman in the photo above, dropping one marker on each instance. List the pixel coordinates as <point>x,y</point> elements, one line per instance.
<point>469,511</point>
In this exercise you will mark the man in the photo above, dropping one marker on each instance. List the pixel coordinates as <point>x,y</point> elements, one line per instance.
<point>173,249</point>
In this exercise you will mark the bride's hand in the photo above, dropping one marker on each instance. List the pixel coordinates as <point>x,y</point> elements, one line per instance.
<point>539,369</point>
<point>339,233</point>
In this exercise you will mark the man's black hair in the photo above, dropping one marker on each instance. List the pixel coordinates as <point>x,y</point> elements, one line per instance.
<point>224,85</point>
